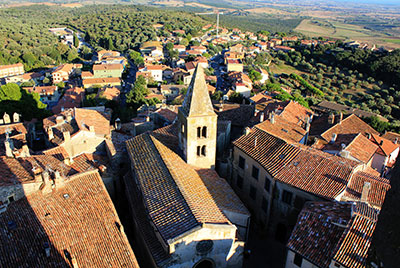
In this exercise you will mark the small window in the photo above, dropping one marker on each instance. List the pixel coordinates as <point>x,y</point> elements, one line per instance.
<point>198,150</point>
<point>204,132</point>
<point>241,162</point>
<point>254,172</point>
<point>298,259</point>
<point>203,150</point>
<point>11,199</point>
<point>264,205</point>
<point>253,192</point>
<point>287,197</point>
<point>198,132</point>
<point>267,184</point>
<point>239,182</point>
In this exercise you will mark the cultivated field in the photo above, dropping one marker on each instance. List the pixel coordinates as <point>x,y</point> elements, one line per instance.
<point>346,32</point>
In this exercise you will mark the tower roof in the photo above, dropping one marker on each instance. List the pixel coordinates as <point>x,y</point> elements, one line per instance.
<point>197,101</point>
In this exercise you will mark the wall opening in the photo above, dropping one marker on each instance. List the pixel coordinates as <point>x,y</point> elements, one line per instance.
<point>204,264</point>
<point>204,132</point>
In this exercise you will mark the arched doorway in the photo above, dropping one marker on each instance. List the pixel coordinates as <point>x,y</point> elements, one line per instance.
<point>205,263</point>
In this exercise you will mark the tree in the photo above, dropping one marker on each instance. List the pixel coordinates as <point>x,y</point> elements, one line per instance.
<point>254,75</point>
<point>76,40</point>
<point>184,42</point>
<point>10,91</point>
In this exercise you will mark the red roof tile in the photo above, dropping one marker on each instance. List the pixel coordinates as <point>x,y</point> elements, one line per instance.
<point>77,221</point>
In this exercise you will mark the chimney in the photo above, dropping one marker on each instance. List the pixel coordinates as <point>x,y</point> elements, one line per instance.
<point>365,192</point>
<point>46,186</point>
<point>74,262</point>
<point>333,139</point>
<point>331,119</point>
<point>59,119</point>
<point>91,129</point>
<point>9,150</point>
<point>272,118</point>
<point>69,117</point>
<point>221,108</point>
<point>59,180</point>
<point>340,118</point>
<point>118,124</point>
<point>247,131</point>
<point>261,117</point>
<point>369,136</point>
<point>66,135</point>
<point>37,174</point>
<point>396,140</point>
<point>25,151</point>
<point>244,101</point>
<point>381,143</point>
<point>308,125</point>
<point>50,133</point>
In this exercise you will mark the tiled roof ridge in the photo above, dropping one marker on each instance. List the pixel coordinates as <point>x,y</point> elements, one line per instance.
<point>183,189</point>
<point>193,222</point>
<point>322,134</point>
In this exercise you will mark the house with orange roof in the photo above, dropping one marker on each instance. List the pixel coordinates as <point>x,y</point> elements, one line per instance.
<point>48,94</point>
<point>234,65</point>
<point>102,82</point>
<point>11,70</point>
<point>72,97</point>
<point>386,153</point>
<point>332,235</point>
<point>109,93</point>
<point>77,130</point>
<point>107,70</point>
<point>26,77</point>
<point>155,71</point>
<point>62,72</point>
<point>41,190</point>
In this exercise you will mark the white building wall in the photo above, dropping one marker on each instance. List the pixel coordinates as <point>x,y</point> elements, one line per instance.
<point>304,263</point>
<point>225,251</point>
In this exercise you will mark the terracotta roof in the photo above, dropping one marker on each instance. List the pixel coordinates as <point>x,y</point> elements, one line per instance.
<point>2,67</point>
<point>377,193</point>
<point>270,152</point>
<point>332,106</point>
<point>392,136</point>
<point>154,67</point>
<point>175,196</point>
<point>260,98</point>
<point>330,231</point>
<point>318,231</point>
<point>167,114</point>
<point>223,195</point>
<point>355,242</point>
<point>110,93</point>
<point>72,98</point>
<point>385,146</point>
<point>92,81</point>
<point>294,112</point>
<point>361,148</point>
<point>285,130</point>
<point>168,136</point>
<point>91,234</point>
<point>58,152</point>
<point>47,90</point>
<point>320,173</point>
<point>86,117</point>
<point>86,74</point>
<point>140,216</point>
<point>20,170</point>
<point>349,125</point>
<point>238,114</point>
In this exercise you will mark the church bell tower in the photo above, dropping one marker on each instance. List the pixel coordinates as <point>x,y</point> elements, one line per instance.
<point>198,124</point>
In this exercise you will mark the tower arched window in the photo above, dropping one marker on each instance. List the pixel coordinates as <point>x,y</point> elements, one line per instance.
<point>198,132</point>
<point>198,150</point>
<point>203,150</point>
<point>204,132</point>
